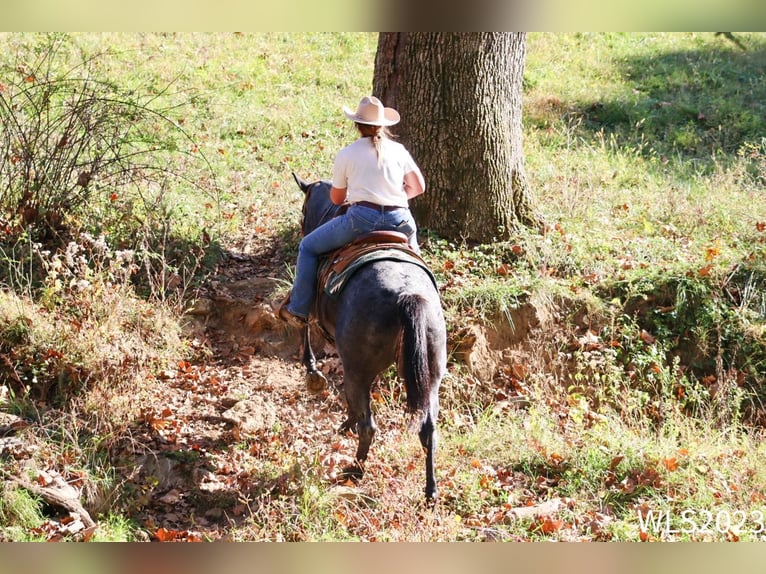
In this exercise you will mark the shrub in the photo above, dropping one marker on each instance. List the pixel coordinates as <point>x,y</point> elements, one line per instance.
<point>88,329</point>
<point>79,153</point>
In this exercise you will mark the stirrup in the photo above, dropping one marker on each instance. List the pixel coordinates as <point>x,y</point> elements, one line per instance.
<point>284,314</point>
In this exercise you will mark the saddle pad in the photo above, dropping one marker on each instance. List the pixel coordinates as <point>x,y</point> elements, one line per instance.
<point>334,281</point>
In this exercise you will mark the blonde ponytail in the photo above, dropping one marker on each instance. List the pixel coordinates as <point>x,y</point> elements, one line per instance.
<point>376,135</point>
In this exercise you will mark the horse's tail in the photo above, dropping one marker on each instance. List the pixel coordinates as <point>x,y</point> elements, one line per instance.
<point>414,365</point>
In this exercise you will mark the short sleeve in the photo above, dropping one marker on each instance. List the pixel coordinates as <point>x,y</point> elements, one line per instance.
<point>408,163</point>
<point>410,166</point>
<point>340,171</point>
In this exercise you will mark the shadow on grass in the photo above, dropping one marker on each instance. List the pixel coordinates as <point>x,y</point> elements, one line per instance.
<point>691,104</point>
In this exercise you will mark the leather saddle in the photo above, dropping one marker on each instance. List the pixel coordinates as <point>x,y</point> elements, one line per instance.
<point>338,266</point>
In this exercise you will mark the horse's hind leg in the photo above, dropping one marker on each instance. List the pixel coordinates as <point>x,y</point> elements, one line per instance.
<point>427,435</point>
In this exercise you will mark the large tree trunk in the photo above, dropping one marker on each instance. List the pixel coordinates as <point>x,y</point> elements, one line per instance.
<point>459,95</point>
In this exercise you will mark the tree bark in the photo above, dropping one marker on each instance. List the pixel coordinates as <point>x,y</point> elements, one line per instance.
<point>459,95</point>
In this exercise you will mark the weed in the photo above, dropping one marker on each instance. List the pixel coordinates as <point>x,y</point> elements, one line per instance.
<point>80,153</point>
<point>19,513</point>
<point>116,528</point>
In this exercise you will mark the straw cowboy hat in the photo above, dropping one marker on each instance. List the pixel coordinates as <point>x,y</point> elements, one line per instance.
<point>370,111</point>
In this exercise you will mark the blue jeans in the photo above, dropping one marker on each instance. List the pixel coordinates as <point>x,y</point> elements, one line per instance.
<point>337,232</point>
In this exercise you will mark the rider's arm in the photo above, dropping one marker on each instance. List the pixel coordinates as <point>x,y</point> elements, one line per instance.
<point>338,195</point>
<point>414,184</point>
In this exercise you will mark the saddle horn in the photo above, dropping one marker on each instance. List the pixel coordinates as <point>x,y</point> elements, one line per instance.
<point>304,185</point>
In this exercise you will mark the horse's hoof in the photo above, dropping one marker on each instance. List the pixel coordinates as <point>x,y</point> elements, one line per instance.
<point>316,382</point>
<point>353,472</point>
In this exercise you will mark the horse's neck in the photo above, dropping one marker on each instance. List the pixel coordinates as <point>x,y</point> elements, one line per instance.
<point>329,211</point>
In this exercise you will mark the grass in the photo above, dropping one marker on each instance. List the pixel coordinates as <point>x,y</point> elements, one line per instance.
<point>257,106</point>
<point>609,474</point>
<point>639,391</point>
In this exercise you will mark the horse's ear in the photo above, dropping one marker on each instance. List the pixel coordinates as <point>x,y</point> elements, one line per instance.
<point>304,185</point>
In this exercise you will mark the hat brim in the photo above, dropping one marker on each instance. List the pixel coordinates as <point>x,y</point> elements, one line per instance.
<point>390,117</point>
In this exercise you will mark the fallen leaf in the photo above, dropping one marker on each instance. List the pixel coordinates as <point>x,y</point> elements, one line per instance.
<point>556,458</point>
<point>164,535</point>
<point>550,525</point>
<point>712,252</point>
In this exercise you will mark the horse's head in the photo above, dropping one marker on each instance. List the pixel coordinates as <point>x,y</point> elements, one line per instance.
<point>317,205</point>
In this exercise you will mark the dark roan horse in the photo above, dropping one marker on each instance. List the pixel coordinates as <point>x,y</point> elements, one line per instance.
<point>388,312</point>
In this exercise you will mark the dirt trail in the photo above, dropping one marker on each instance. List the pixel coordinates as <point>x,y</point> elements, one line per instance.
<point>193,463</point>
<point>218,423</point>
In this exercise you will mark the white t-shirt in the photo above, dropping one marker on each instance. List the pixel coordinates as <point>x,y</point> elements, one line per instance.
<point>356,169</point>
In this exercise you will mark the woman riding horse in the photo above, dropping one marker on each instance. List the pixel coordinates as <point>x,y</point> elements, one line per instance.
<point>389,311</point>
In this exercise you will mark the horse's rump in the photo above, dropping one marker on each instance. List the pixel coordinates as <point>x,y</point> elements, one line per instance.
<point>337,268</point>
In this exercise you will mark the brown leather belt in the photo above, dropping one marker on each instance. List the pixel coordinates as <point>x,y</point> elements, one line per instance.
<point>378,207</point>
